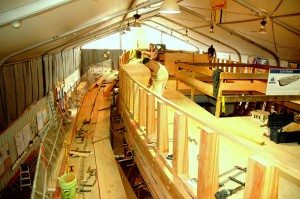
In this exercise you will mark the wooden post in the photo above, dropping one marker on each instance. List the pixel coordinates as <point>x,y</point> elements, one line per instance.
<point>126,93</point>
<point>130,90</point>
<point>180,144</point>
<point>219,101</point>
<point>262,179</point>
<point>135,102</point>
<point>192,89</point>
<point>150,109</point>
<point>142,108</point>
<point>208,165</point>
<point>162,128</point>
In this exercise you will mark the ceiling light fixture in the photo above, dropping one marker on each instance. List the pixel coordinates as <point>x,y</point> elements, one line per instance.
<point>186,32</point>
<point>16,24</point>
<point>262,29</point>
<point>169,7</point>
<point>128,27</point>
<point>136,23</point>
<point>211,28</point>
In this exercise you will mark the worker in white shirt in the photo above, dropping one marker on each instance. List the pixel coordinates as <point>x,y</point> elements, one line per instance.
<point>159,75</point>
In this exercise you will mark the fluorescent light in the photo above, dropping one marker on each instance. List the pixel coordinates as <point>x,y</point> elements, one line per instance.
<point>169,7</point>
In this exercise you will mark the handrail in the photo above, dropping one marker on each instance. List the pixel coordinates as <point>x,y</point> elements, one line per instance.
<point>131,92</point>
<point>203,125</point>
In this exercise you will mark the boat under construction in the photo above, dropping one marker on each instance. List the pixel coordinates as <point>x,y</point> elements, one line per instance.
<point>162,99</point>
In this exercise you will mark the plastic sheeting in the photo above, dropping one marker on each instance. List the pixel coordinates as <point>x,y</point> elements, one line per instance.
<point>2,108</point>
<point>20,88</point>
<point>23,83</point>
<point>35,83</point>
<point>28,84</point>
<point>10,93</point>
<point>92,56</point>
<point>40,77</point>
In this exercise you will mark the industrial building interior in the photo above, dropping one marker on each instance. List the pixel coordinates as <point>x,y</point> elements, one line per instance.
<point>77,119</point>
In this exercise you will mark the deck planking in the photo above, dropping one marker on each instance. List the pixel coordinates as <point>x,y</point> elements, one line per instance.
<point>240,138</point>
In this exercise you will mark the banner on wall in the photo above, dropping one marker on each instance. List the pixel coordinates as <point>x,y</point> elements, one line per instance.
<point>39,120</point>
<point>283,82</point>
<point>20,142</point>
<point>42,117</point>
<point>22,139</point>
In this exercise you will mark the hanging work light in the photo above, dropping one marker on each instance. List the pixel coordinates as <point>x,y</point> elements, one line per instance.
<point>128,27</point>
<point>211,28</point>
<point>186,32</point>
<point>136,23</point>
<point>262,29</point>
<point>169,7</point>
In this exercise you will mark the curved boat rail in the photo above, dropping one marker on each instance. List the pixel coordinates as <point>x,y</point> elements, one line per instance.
<point>181,156</point>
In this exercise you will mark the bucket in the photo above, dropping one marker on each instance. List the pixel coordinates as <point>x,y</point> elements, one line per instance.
<point>67,183</point>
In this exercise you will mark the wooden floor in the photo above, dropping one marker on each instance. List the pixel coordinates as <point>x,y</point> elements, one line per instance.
<point>240,138</point>
<point>96,170</point>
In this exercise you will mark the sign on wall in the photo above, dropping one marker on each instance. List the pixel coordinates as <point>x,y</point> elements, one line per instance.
<point>22,139</point>
<point>283,82</point>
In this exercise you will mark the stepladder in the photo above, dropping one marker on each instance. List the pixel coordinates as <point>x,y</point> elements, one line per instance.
<point>25,179</point>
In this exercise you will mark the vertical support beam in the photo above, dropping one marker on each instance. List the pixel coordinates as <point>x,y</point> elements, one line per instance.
<point>142,108</point>
<point>208,165</point>
<point>262,179</point>
<point>192,89</point>
<point>180,144</point>
<point>130,90</point>
<point>219,100</point>
<point>126,93</point>
<point>150,126</point>
<point>162,128</point>
<point>135,102</point>
<point>120,84</point>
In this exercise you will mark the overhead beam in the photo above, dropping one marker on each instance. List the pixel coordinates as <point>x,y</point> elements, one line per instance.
<point>30,10</point>
<point>95,23</point>
<point>248,5</point>
<point>177,33</point>
<point>125,15</point>
<point>259,19</point>
<point>236,34</point>
<point>204,35</point>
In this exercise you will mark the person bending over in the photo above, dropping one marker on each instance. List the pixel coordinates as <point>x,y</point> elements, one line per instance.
<point>159,75</point>
<point>152,53</point>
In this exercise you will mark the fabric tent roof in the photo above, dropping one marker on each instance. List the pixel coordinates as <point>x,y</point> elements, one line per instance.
<point>52,25</point>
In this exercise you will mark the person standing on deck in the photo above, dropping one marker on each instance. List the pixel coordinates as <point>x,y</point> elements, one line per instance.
<point>159,75</point>
<point>211,54</point>
<point>152,53</point>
